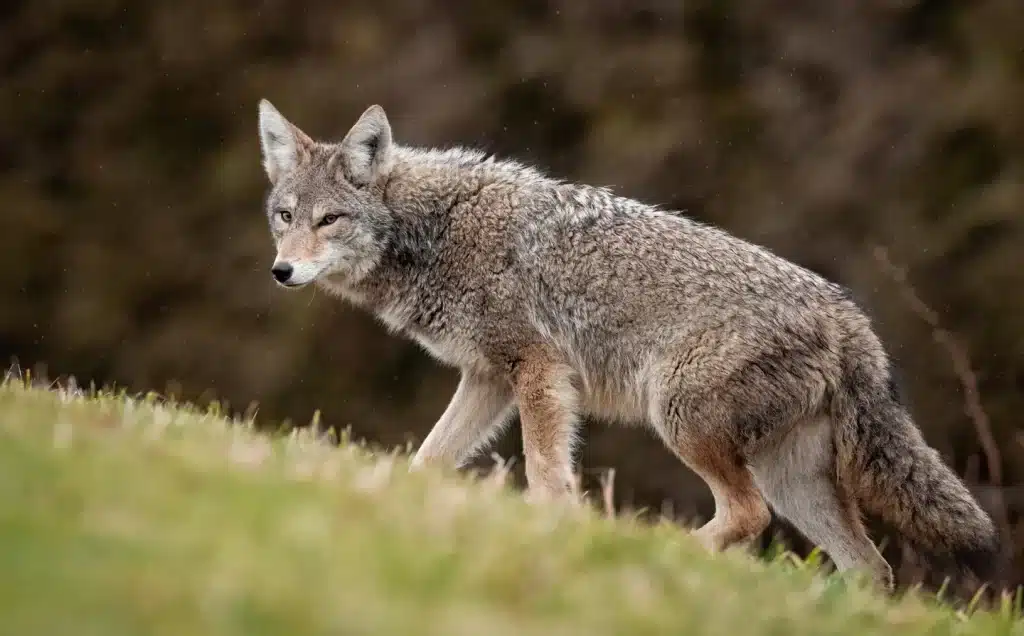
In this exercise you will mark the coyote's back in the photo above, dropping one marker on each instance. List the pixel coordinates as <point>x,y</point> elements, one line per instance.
<point>561,300</point>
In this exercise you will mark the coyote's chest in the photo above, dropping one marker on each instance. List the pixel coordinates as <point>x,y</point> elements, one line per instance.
<point>436,335</point>
<point>453,351</point>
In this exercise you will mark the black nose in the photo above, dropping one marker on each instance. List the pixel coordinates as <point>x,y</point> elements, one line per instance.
<point>281,271</point>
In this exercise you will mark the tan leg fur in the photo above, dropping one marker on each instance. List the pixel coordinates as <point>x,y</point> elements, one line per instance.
<point>547,408</point>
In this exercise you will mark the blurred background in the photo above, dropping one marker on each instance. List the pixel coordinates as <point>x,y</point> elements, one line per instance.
<point>134,250</point>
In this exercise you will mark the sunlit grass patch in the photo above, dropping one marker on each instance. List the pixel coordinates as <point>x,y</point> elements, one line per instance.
<point>127,515</point>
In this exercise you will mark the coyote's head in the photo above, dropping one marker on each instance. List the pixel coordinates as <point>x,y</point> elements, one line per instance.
<point>325,206</point>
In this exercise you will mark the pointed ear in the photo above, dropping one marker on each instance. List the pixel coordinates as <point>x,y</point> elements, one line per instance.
<point>365,153</point>
<point>284,145</point>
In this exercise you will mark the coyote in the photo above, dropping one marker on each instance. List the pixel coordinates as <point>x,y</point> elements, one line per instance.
<point>564,300</point>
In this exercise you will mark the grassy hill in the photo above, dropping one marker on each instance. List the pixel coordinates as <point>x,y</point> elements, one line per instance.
<point>127,516</point>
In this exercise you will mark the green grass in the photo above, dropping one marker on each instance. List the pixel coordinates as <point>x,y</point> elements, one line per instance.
<point>125,516</point>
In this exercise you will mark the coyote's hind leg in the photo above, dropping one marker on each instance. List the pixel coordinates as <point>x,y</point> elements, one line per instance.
<point>696,429</point>
<point>798,477</point>
<point>741,514</point>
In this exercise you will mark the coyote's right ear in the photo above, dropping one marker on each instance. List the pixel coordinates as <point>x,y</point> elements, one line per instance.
<point>284,145</point>
<point>365,152</point>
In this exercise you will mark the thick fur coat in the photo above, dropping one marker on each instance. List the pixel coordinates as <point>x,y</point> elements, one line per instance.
<point>562,300</point>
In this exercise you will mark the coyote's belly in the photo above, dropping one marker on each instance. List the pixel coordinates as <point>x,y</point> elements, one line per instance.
<point>622,405</point>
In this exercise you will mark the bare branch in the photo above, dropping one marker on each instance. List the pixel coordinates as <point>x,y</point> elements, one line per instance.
<point>961,365</point>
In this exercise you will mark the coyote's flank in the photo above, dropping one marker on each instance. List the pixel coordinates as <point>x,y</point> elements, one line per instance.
<point>563,300</point>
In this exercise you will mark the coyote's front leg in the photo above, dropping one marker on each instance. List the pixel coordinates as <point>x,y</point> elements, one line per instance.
<point>480,405</point>
<point>547,409</point>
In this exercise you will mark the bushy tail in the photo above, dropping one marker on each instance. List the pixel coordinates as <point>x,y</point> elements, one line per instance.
<point>890,470</point>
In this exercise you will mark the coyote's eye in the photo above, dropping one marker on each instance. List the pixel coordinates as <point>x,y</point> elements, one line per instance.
<point>285,215</point>
<point>328,219</point>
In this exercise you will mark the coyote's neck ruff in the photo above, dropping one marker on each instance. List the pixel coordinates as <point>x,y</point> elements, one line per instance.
<point>564,300</point>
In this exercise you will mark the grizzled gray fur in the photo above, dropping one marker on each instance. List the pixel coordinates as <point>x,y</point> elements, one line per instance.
<point>563,300</point>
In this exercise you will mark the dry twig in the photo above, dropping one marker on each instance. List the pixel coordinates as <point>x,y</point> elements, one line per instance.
<point>961,365</point>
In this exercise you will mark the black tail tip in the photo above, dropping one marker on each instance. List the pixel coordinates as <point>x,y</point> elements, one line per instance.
<point>983,560</point>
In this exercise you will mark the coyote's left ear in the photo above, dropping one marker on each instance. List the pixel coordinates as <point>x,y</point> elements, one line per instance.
<point>365,153</point>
